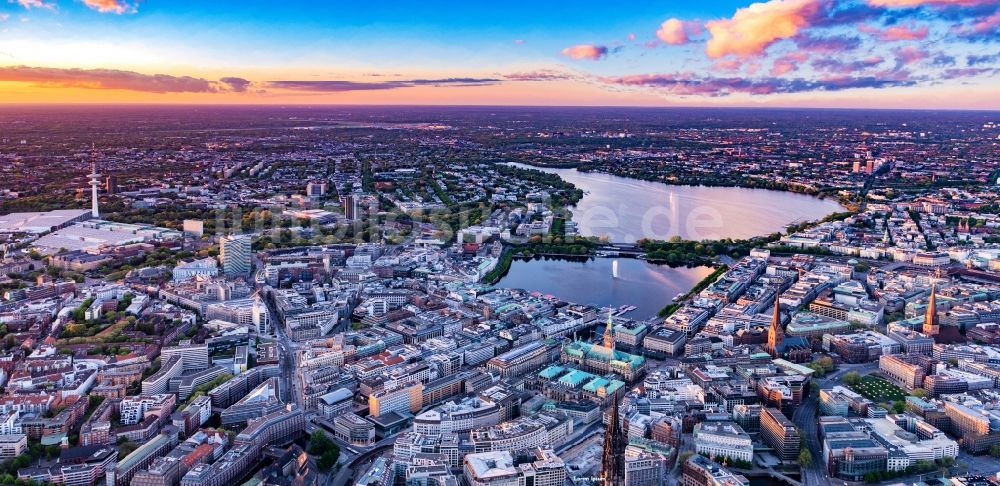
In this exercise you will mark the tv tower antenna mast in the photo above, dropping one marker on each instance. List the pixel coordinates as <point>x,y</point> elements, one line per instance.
<point>94,183</point>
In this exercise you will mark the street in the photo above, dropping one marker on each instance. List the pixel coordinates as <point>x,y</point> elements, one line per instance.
<point>804,418</point>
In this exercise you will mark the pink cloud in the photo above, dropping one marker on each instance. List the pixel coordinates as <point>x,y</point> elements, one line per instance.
<point>788,63</point>
<point>676,32</point>
<point>753,29</point>
<point>910,54</point>
<point>827,45</point>
<point>982,26</point>
<point>29,4</point>
<point>830,65</point>
<point>917,3</point>
<point>585,51</point>
<point>630,37</point>
<point>109,6</point>
<point>727,65</point>
<point>540,75</point>
<point>685,84</point>
<point>118,79</point>
<point>896,32</point>
<point>964,72</point>
<point>519,41</point>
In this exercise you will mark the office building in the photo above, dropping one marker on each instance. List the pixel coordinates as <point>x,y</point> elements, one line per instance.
<point>906,370</point>
<point>194,356</point>
<point>262,400</point>
<point>194,227</point>
<point>205,267</point>
<point>407,398</point>
<point>723,439</point>
<point>335,403</point>
<point>351,207</point>
<point>841,401</point>
<point>780,433</point>
<point>235,254</point>
<point>520,360</point>
<point>543,429</point>
<point>702,471</point>
<point>141,458</point>
<point>644,465</point>
<point>13,445</point>
<point>498,469</point>
<point>316,188</point>
<point>354,430</point>
<point>850,453</point>
<point>458,417</point>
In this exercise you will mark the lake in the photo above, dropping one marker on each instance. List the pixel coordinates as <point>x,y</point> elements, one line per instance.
<point>626,210</point>
<point>647,286</point>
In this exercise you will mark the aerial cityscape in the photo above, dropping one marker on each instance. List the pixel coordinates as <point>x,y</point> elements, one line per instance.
<point>529,244</point>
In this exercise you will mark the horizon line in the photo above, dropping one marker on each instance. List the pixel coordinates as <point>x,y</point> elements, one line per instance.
<point>474,105</point>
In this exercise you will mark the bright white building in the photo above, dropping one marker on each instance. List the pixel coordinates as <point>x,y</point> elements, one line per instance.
<point>723,439</point>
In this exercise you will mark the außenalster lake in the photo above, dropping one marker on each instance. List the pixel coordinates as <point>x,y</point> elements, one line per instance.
<point>626,210</point>
<point>646,286</point>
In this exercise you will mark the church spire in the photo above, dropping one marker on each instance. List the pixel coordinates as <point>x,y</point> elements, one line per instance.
<point>930,317</point>
<point>775,334</point>
<point>613,461</point>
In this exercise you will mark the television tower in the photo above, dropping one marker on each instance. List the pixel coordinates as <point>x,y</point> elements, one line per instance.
<point>95,182</point>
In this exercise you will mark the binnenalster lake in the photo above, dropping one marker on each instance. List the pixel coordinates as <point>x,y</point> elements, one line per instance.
<point>646,286</point>
<point>626,210</point>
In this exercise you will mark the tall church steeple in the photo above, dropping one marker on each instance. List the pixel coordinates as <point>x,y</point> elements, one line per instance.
<point>613,460</point>
<point>931,326</point>
<point>775,333</point>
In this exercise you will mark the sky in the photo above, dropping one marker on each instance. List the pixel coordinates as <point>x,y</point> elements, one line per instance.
<point>920,54</point>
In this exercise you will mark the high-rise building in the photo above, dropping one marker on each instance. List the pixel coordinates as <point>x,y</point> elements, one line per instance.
<point>261,316</point>
<point>350,207</point>
<point>780,433</point>
<point>235,254</point>
<point>316,188</point>
<point>111,184</point>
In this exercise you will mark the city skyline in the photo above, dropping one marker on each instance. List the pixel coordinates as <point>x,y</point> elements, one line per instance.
<point>936,54</point>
